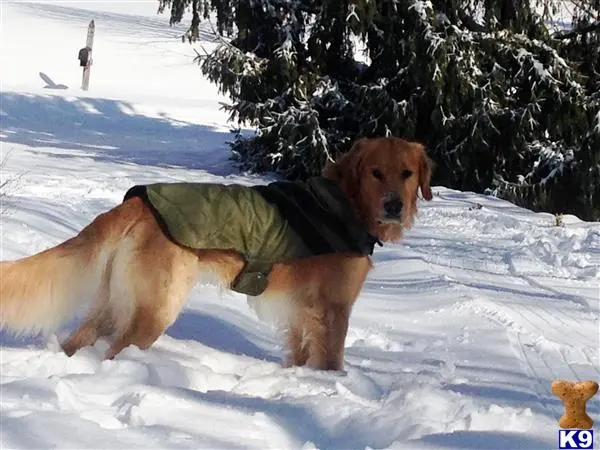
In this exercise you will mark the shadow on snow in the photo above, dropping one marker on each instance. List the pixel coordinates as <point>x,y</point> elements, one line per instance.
<point>110,131</point>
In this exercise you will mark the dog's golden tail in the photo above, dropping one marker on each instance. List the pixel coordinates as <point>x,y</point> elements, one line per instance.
<point>41,292</point>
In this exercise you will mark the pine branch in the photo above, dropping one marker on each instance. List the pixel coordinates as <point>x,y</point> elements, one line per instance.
<point>219,37</point>
<point>470,23</point>
<point>583,6</point>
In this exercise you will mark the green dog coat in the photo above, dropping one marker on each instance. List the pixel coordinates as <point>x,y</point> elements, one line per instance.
<point>278,222</point>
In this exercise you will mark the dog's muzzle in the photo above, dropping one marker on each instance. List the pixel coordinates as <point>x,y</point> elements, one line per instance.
<point>392,207</point>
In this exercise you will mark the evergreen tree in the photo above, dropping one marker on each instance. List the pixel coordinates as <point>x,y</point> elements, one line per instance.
<point>505,104</point>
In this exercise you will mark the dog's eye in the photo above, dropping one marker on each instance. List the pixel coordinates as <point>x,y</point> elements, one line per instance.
<point>377,174</point>
<point>406,174</point>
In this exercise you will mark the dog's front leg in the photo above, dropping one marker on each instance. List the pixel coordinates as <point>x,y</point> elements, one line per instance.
<point>337,318</point>
<point>315,336</point>
<point>326,329</point>
<point>298,351</point>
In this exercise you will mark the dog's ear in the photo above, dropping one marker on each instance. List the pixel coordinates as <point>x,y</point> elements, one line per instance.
<point>331,169</point>
<point>425,169</point>
<point>346,168</point>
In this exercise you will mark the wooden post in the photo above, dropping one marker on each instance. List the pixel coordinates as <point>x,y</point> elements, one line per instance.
<point>85,82</point>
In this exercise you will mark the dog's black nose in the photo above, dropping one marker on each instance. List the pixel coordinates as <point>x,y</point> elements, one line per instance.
<point>393,206</point>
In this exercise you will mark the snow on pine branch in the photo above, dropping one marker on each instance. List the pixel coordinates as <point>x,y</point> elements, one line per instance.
<point>552,159</point>
<point>596,128</point>
<point>423,8</point>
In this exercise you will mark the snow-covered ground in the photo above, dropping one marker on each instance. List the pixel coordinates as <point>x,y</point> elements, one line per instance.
<point>453,343</point>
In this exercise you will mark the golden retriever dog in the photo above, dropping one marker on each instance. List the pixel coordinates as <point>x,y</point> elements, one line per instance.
<point>135,280</point>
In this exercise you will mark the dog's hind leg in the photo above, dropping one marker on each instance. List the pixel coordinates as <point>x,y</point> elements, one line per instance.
<point>145,328</point>
<point>157,278</point>
<point>150,292</point>
<point>98,324</point>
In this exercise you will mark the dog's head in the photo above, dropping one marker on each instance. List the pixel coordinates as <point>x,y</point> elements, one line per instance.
<point>382,177</point>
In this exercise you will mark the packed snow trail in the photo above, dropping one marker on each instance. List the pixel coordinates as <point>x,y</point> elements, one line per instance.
<point>453,343</point>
